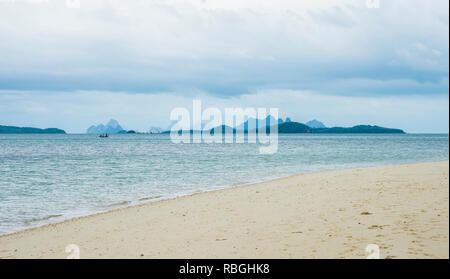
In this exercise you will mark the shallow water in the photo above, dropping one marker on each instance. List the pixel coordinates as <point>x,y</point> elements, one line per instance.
<point>47,178</point>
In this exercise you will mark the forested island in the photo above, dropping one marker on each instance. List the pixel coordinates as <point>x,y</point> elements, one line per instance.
<point>29,130</point>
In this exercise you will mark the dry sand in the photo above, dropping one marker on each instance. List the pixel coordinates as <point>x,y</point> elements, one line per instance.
<point>336,214</point>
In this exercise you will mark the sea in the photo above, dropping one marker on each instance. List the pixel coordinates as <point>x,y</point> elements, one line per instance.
<point>54,177</point>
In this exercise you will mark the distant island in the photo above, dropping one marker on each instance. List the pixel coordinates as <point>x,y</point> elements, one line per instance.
<point>315,124</point>
<point>127,132</point>
<point>292,128</point>
<point>360,129</point>
<point>112,127</point>
<point>284,127</point>
<point>299,128</point>
<point>29,130</point>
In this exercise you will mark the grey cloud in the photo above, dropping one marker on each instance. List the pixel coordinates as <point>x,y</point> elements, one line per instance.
<point>158,47</point>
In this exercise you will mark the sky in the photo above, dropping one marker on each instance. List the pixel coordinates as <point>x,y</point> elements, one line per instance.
<point>71,64</point>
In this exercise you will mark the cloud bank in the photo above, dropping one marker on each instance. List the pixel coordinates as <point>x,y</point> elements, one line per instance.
<point>226,47</point>
<point>225,50</point>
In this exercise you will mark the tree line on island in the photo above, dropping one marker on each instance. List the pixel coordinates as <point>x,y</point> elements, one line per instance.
<point>29,130</point>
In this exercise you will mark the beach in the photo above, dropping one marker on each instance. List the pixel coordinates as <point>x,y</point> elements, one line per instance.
<point>402,209</point>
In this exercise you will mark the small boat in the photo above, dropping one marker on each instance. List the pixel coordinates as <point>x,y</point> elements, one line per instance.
<point>103,136</point>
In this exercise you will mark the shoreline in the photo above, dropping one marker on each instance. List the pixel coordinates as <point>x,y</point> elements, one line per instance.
<point>15,237</point>
<point>158,198</point>
<point>141,201</point>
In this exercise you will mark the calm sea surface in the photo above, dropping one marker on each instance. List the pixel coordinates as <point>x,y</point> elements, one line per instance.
<point>48,178</point>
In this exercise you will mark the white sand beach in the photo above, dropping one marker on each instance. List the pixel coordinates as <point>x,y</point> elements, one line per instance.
<point>403,209</point>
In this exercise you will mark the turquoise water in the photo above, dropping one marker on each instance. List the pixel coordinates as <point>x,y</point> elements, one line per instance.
<point>48,178</point>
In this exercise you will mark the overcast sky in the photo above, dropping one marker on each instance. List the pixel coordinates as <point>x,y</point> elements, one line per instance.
<point>340,62</point>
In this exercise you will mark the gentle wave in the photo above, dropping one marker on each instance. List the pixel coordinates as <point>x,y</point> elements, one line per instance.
<point>35,220</point>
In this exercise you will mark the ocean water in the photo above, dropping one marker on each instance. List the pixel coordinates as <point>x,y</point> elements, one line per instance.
<point>48,178</point>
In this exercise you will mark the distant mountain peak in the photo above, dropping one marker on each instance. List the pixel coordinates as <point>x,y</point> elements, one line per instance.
<point>113,127</point>
<point>315,124</point>
<point>113,123</point>
<point>254,123</point>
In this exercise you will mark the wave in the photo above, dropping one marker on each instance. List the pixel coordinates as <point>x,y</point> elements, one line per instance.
<point>33,220</point>
<point>149,198</point>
